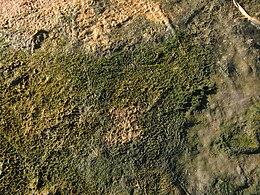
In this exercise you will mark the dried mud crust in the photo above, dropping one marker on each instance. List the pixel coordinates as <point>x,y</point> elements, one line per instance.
<point>89,22</point>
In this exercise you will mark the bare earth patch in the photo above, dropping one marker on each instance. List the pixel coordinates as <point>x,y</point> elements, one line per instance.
<point>90,22</point>
<point>126,128</point>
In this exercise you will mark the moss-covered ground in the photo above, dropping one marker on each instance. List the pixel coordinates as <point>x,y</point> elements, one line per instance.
<point>73,123</point>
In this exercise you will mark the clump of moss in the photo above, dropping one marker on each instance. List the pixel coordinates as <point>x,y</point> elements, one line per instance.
<point>241,138</point>
<point>223,185</point>
<point>59,111</point>
<point>234,139</point>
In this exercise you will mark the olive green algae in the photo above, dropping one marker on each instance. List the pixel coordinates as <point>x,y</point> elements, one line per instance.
<point>115,124</point>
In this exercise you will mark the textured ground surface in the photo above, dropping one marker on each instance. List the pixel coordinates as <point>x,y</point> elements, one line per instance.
<point>129,97</point>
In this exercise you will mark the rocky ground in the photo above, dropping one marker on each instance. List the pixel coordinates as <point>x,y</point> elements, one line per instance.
<point>129,97</point>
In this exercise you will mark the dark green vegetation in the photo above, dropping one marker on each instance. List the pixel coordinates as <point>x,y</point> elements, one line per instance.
<point>73,123</point>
